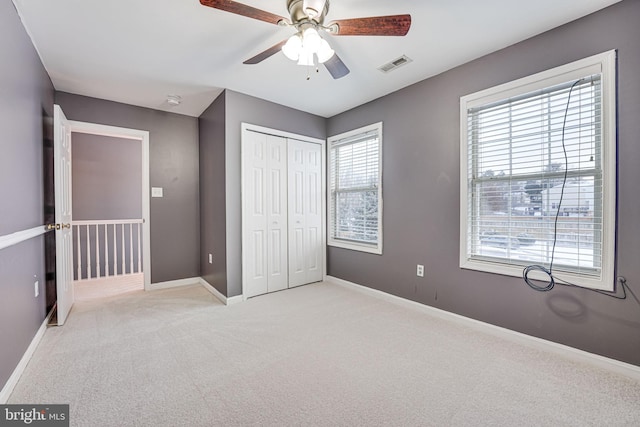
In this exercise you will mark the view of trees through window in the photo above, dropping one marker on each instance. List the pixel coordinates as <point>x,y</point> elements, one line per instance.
<point>354,190</point>
<point>531,159</point>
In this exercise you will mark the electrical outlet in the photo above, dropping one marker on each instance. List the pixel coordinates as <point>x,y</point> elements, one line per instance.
<point>210,258</point>
<point>420,270</point>
<point>36,288</point>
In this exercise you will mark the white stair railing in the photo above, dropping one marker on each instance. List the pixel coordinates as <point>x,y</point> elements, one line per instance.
<point>104,245</point>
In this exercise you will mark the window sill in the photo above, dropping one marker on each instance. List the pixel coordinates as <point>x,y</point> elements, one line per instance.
<point>356,247</point>
<point>602,282</point>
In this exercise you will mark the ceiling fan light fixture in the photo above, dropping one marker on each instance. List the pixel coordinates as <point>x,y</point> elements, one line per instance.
<point>311,40</point>
<point>302,47</point>
<point>306,58</point>
<point>325,52</point>
<point>293,47</point>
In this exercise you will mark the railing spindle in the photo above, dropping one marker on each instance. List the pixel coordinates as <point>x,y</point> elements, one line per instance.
<point>130,248</point>
<point>124,270</point>
<point>139,255</point>
<point>115,251</point>
<point>106,251</point>
<point>79,252</point>
<point>88,254</point>
<point>98,275</point>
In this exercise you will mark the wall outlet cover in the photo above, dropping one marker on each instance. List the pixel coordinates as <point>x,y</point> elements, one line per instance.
<point>156,192</point>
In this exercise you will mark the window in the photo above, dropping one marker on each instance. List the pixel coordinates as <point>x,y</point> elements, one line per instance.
<point>355,183</point>
<point>538,168</point>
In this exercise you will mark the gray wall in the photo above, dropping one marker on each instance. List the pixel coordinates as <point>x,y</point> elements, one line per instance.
<point>107,177</point>
<point>213,236</point>
<point>26,97</point>
<point>243,108</point>
<point>173,163</point>
<point>421,195</point>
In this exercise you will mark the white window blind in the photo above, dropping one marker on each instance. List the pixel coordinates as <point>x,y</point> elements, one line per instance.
<point>355,189</point>
<point>536,179</point>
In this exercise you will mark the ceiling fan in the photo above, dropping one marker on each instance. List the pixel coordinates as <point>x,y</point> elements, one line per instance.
<point>307,17</point>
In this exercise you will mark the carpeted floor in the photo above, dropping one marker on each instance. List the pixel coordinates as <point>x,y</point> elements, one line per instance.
<point>316,355</point>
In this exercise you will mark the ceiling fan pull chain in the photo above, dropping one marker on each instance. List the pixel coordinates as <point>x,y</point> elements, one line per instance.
<point>309,70</point>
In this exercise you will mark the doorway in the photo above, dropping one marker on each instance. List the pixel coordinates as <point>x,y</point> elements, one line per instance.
<point>111,210</point>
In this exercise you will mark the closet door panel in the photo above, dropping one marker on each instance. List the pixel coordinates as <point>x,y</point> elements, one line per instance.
<point>277,213</point>
<point>305,216</point>
<point>314,213</point>
<point>254,244</point>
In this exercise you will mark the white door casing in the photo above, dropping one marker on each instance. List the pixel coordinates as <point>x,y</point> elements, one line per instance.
<point>63,215</point>
<point>305,213</point>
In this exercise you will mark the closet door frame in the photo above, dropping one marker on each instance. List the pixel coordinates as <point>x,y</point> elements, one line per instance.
<point>247,127</point>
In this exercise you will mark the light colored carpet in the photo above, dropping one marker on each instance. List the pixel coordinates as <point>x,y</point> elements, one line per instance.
<point>316,355</point>
<point>84,290</point>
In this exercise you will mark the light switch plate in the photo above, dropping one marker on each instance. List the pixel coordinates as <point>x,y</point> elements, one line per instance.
<point>156,192</point>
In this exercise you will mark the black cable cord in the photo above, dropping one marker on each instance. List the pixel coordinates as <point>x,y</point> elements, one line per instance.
<point>621,280</point>
<point>549,271</point>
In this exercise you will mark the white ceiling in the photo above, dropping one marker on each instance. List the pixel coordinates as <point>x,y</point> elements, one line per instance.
<point>139,51</point>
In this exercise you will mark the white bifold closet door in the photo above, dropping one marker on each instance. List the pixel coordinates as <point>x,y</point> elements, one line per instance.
<point>305,212</point>
<point>265,212</point>
<point>282,213</point>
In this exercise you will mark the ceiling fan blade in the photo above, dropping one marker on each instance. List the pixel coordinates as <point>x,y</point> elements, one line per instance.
<point>336,67</point>
<point>266,54</point>
<point>392,25</point>
<point>244,10</point>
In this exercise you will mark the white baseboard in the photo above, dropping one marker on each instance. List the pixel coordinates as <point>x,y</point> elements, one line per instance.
<point>235,300</point>
<point>174,283</point>
<point>22,365</point>
<point>216,293</point>
<point>572,353</point>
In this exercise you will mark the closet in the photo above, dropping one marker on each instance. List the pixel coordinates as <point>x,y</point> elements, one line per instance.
<point>282,211</point>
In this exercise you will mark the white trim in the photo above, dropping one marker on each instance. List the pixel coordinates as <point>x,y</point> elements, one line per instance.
<point>572,353</point>
<point>108,222</point>
<point>324,208</point>
<point>604,64</point>
<point>281,133</point>
<point>216,293</point>
<point>143,137</point>
<point>173,284</point>
<point>24,361</point>
<point>21,236</point>
<point>246,127</point>
<point>353,245</point>
<point>235,300</point>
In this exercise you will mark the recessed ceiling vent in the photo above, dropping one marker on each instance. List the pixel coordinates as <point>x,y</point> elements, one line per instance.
<point>396,63</point>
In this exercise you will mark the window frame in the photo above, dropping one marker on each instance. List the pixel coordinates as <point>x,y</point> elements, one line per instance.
<point>604,64</point>
<point>344,243</point>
